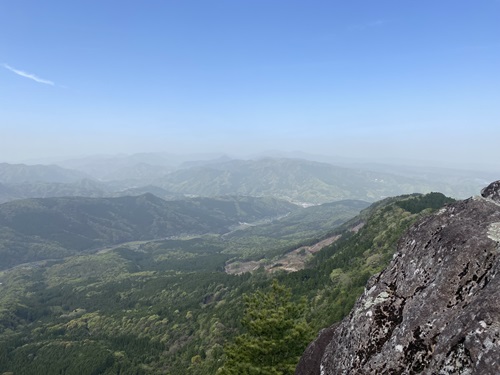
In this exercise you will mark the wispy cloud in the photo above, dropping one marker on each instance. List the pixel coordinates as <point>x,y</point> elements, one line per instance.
<point>368,25</point>
<point>28,75</point>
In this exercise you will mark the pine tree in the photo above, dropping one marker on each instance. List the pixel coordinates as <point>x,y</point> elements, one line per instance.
<point>276,335</point>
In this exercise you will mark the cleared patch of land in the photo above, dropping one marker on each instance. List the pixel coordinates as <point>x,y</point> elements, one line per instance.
<point>290,262</point>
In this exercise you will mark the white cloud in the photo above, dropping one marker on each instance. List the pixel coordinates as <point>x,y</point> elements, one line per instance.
<point>28,75</point>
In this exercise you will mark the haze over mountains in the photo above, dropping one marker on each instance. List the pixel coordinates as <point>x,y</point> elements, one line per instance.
<point>201,187</point>
<point>173,177</point>
<point>140,264</point>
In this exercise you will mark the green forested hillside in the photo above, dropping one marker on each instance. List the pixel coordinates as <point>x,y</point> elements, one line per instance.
<point>22,173</point>
<point>295,180</point>
<point>36,229</point>
<point>7,193</point>
<point>83,188</point>
<point>44,189</point>
<point>168,307</point>
<point>299,228</point>
<point>291,179</point>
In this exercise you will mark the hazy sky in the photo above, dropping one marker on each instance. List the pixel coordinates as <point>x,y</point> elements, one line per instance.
<point>404,79</point>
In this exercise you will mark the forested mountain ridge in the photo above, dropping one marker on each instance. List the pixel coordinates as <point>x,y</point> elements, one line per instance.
<point>7,193</point>
<point>297,180</point>
<point>292,179</point>
<point>83,188</point>
<point>46,228</point>
<point>22,173</point>
<point>168,307</point>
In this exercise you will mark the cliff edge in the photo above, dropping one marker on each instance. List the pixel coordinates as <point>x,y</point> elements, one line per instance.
<point>434,310</point>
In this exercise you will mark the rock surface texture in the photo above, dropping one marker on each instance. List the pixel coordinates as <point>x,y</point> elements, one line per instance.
<point>435,309</point>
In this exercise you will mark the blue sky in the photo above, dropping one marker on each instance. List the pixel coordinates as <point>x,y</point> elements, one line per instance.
<point>373,79</point>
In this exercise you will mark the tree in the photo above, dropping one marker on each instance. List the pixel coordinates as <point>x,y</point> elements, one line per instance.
<point>275,338</point>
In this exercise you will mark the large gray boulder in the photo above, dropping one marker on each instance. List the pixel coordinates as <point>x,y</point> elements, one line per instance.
<point>435,309</point>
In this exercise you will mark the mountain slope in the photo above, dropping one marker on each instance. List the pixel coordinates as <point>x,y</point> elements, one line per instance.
<point>434,309</point>
<point>37,229</point>
<point>301,227</point>
<point>290,179</point>
<point>167,307</point>
<point>7,193</point>
<point>83,188</point>
<point>22,173</point>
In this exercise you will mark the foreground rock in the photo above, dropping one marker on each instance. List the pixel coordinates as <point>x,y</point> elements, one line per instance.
<point>434,310</point>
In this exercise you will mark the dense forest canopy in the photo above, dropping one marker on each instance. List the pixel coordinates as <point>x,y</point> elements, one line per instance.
<point>170,307</point>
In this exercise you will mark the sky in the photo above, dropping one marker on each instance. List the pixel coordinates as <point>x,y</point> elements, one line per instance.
<point>379,80</point>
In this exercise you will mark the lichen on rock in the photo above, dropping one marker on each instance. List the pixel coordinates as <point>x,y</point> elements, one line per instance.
<point>494,231</point>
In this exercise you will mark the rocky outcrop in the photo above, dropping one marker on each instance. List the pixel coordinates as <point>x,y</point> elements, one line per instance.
<point>435,309</point>
<point>311,359</point>
<point>492,192</point>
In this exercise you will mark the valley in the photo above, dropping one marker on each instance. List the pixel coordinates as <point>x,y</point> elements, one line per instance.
<point>249,187</point>
<point>155,279</point>
<point>151,306</point>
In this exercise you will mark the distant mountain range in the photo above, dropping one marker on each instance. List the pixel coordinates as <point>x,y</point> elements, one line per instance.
<point>296,180</point>
<point>22,173</point>
<point>136,166</point>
